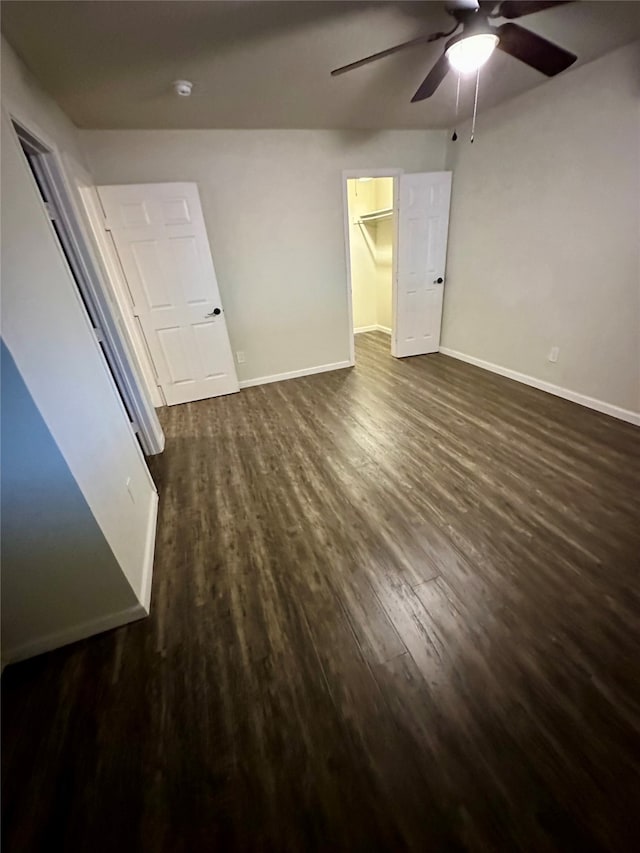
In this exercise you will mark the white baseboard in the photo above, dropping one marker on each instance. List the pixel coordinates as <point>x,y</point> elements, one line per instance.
<point>103,623</point>
<point>375,328</point>
<point>565,393</point>
<point>294,374</point>
<point>75,633</point>
<point>149,550</point>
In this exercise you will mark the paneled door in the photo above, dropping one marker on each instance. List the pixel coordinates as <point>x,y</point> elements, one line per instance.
<point>423,228</point>
<point>159,233</point>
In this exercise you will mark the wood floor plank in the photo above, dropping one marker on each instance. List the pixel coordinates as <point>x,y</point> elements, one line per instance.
<point>395,607</point>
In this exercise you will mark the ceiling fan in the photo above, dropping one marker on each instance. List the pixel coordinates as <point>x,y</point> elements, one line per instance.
<point>468,49</point>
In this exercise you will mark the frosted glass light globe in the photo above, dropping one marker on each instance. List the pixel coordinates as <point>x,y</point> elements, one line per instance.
<point>472,52</point>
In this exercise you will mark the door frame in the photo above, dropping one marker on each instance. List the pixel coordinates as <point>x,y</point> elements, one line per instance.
<point>347,175</point>
<point>114,274</point>
<point>91,290</point>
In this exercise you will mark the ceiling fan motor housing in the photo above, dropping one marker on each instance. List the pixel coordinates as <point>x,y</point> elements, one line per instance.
<point>474,22</point>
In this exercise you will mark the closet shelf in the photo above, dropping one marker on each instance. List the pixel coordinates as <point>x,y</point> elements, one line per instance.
<point>375,215</point>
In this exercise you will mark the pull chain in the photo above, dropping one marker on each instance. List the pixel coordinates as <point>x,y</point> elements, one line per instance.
<point>475,106</point>
<point>455,132</point>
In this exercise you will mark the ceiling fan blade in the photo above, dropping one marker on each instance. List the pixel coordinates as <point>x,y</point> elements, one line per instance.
<point>432,80</point>
<point>391,50</point>
<point>517,8</point>
<point>543,55</point>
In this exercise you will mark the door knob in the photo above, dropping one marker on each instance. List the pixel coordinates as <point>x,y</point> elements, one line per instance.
<point>438,280</point>
<point>214,313</point>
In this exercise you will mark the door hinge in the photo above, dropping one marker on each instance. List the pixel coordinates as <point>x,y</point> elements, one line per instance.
<point>135,427</point>
<point>99,334</point>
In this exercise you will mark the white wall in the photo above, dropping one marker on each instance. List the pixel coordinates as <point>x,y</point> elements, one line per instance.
<point>48,334</point>
<point>371,247</point>
<point>21,90</point>
<point>384,271</point>
<point>272,202</point>
<point>47,525</point>
<point>545,233</point>
<point>361,198</point>
<point>384,253</point>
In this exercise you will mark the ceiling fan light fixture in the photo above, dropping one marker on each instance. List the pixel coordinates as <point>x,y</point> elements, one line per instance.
<point>469,53</point>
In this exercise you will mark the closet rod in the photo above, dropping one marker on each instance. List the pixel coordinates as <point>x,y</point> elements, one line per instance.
<point>387,213</point>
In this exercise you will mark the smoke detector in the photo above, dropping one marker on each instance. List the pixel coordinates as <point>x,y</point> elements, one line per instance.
<point>183,88</point>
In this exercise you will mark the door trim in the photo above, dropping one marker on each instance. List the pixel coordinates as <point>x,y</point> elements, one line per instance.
<point>91,289</point>
<point>108,257</point>
<point>347,175</point>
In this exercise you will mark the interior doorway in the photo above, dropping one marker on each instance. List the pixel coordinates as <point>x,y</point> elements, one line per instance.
<point>372,243</point>
<point>399,247</point>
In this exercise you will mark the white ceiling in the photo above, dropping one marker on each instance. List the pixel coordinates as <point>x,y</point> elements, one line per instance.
<point>266,64</point>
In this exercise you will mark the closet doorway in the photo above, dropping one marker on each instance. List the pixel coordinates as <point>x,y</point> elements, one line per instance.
<point>372,239</point>
<point>396,226</point>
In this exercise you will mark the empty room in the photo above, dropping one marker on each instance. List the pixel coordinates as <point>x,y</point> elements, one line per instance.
<point>320,414</point>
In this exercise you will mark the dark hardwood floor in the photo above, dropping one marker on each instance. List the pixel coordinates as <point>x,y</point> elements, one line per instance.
<point>394,608</point>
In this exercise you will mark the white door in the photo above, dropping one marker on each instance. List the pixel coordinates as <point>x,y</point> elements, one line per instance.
<point>119,287</point>
<point>423,227</point>
<point>161,240</point>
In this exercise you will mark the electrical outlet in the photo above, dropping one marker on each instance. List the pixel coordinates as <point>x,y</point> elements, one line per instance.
<point>554,352</point>
<point>240,356</point>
